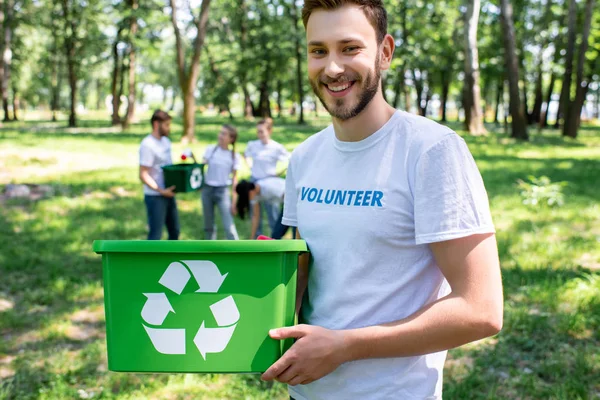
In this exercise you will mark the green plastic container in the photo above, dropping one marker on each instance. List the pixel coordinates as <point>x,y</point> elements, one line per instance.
<point>185,177</point>
<point>197,306</point>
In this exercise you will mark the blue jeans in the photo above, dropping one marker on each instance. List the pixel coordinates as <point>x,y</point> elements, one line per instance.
<point>280,229</point>
<point>162,210</point>
<point>217,196</point>
<point>273,215</point>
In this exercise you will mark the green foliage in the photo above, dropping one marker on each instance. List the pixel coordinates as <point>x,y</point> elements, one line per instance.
<point>541,191</point>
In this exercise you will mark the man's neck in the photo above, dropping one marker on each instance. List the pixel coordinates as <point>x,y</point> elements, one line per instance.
<point>369,121</point>
<point>156,135</point>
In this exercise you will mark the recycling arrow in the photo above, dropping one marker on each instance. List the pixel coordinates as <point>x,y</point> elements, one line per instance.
<point>167,341</point>
<point>175,277</point>
<point>207,275</point>
<point>213,340</point>
<point>156,308</point>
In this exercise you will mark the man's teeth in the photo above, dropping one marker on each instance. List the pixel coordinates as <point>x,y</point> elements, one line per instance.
<point>339,88</point>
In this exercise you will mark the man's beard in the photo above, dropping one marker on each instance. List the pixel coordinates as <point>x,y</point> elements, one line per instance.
<point>163,132</point>
<point>369,90</point>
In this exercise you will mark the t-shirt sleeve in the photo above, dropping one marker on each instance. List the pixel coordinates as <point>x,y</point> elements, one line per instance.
<point>283,155</point>
<point>146,156</point>
<point>450,200</point>
<point>290,200</point>
<point>249,152</point>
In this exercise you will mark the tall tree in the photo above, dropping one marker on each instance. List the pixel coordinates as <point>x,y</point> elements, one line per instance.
<point>472,91</point>
<point>133,30</point>
<point>295,20</point>
<point>188,75</point>
<point>565,93</point>
<point>573,108</point>
<point>7,19</point>
<point>519,124</point>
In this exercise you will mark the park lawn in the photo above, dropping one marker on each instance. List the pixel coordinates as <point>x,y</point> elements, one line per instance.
<point>52,343</point>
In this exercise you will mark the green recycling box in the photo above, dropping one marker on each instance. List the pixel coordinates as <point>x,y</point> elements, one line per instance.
<point>197,306</point>
<point>185,177</point>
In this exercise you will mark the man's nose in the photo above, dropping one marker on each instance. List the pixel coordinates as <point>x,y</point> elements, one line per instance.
<point>333,68</point>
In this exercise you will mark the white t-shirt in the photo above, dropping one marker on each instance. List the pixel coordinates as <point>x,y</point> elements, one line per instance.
<point>367,211</point>
<point>271,189</point>
<point>220,165</point>
<point>265,157</point>
<point>155,153</point>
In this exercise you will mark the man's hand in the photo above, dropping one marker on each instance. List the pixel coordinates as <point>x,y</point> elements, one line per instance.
<point>316,353</point>
<point>168,192</point>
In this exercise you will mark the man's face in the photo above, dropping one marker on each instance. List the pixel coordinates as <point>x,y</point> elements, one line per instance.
<point>164,128</point>
<point>343,60</point>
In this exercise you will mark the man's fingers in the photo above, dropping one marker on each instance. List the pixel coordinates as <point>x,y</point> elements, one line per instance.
<point>276,369</point>
<point>297,380</point>
<point>288,332</point>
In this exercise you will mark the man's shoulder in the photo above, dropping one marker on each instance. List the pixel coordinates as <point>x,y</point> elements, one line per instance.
<point>422,133</point>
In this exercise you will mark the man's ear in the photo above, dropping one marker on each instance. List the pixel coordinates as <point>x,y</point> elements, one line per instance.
<point>387,48</point>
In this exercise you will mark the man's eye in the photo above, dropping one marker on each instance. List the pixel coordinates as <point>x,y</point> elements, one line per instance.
<point>351,49</point>
<point>318,52</point>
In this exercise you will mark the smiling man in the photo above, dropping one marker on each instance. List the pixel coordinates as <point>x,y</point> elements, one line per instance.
<point>404,262</point>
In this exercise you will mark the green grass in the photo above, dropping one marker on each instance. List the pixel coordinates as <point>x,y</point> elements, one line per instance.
<point>52,343</point>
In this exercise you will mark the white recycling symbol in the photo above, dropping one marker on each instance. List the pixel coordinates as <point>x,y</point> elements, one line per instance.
<point>196,178</point>
<point>157,307</point>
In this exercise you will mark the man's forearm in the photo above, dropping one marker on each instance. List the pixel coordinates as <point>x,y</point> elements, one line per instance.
<point>444,324</point>
<point>149,181</point>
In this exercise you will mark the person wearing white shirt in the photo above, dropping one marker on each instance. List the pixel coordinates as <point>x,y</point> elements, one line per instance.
<point>154,153</point>
<point>250,194</point>
<point>222,164</point>
<point>263,156</point>
<point>403,258</point>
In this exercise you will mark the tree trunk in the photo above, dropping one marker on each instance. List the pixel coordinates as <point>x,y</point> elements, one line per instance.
<point>544,116</point>
<point>249,110</point>
<point>116,100</point>
<point>121,82</point>
<point>573,113</point>
<point>279,98</point>
<point>472,91</point>
<point>565,95</point>
<point>98,94</point>
<point>407,98</point>
<point>519,125</point>
<point>7,55</point>
<point>499,93</point>
<point>299,75</point>
<point>188,77</point>
<point>133,28</point>
<point>524,85</point>
<point>536,113</point>
<point>1,51</point>
<point>173,99</point>
<point>445,75</point>
<point>56,77</point>
<point>398,86</point>
<point>15,103</point>
<point>264,105</point>
<point>69,33</point>
<point>419,88</point>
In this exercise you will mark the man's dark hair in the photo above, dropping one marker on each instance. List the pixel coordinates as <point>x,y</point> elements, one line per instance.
<point>243,189</point>
<point>160,116</point>
<point>373,9</point>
